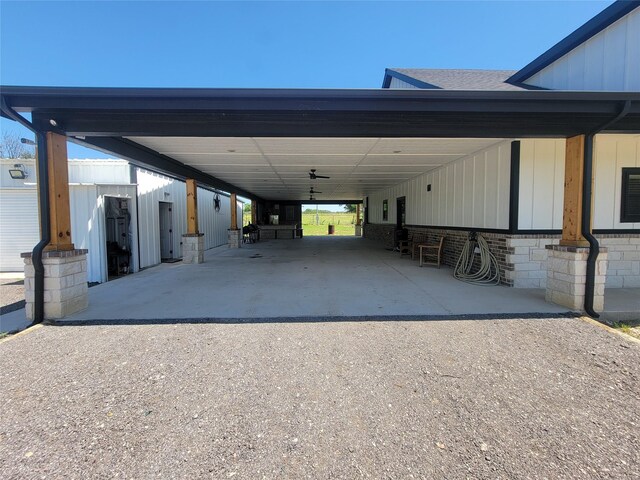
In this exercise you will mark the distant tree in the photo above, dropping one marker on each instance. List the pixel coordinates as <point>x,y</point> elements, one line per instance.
<point>350,208</point>
<point>246,208</point>
<point>12,147</point>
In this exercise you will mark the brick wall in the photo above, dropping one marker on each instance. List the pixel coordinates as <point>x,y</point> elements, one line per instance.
<point>382,233</point>
<point>522,258</point>
<point>454,243</point>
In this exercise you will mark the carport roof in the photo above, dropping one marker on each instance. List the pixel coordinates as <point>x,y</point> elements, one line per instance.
<point>107,118</point>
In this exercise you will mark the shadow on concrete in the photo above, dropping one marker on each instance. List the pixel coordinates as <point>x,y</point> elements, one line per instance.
<point>341,319</point>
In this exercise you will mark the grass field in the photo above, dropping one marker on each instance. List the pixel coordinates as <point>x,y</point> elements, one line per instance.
<point>342,221</point>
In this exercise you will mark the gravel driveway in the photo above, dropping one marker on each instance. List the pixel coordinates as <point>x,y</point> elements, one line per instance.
<point>449,399</point>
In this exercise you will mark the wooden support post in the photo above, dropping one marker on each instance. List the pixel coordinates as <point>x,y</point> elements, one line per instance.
<point>234,212</point>
<point>573,177</point>
<point>59,208</point>
<point>254,212</point>
<point>358,221</point>
<point>192,207</point>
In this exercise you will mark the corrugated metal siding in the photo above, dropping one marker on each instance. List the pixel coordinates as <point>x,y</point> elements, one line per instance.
<point>19,230</point>
<point>213,224</point>
<point>397,83</point>
<point>608,61</point>
<point>122,191</point>
<point>99,171</point>
<point>88,224</point>
<point>7,182</point>
<point>80,171</point>
<point>87,227</point>
<point>152,189</point>
<point>541,184</point>
<point>611,154</point>
<point>470,192</point>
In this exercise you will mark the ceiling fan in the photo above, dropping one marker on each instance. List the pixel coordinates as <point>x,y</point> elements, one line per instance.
<point>313,192</point>
<point>313,176</point>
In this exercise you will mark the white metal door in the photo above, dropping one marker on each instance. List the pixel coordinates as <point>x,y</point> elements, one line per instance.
<point>19,230</point>
<point>166,230</point>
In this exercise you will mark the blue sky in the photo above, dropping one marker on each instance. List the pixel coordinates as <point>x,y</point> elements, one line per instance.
<point>267,44</point>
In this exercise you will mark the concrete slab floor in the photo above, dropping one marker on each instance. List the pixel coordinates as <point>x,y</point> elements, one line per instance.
<point>622,305</point>
<point>311,277</point>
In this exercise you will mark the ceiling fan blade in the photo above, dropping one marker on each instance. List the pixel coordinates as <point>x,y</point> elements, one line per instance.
<point>321,176</point>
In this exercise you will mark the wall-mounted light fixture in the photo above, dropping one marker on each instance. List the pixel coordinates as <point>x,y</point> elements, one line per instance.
<point>18,172</point>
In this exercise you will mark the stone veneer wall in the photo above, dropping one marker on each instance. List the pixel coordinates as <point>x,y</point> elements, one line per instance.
<point>527,259</point>
<point>623,269</point>
<point>65,283</point>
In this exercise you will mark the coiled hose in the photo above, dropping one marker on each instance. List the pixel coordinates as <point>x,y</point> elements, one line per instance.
<point>488,272</point>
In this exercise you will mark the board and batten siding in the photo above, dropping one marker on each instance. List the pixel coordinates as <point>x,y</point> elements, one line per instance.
<point>611,154</point>
<point>541,196</point>
<point>609,61</point>
<point>397,83</point>
<point>472,191</point>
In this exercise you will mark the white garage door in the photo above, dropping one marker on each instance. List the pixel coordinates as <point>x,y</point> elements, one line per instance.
<point>19,231</point>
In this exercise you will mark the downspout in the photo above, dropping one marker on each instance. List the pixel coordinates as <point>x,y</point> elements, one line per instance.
<point>587,180</point>
<point>45,219</point>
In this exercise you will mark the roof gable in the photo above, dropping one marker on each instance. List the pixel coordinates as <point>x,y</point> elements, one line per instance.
<point>452,79</point>
<point>594,26</point>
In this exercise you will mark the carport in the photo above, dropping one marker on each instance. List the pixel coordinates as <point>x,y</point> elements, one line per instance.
<point>261,144</point>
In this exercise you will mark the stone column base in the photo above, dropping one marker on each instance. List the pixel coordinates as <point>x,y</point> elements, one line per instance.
<point>65,283</point>
<point>567,274</point>
<point>193,248</point>
<point>358,230</point>
<point>235,238</point>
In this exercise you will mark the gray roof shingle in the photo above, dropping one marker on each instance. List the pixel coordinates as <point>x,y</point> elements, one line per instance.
<point>456,79</point>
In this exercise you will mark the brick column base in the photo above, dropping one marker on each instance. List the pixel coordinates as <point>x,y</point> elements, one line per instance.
<point>65,283</point>
<point>235,238</point>
<point>358,230</point>
<point>193,248</point>
<point>567,273</point>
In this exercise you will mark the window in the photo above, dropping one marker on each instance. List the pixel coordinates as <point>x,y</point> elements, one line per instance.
<point>385,210</point>
<point>630,205</point>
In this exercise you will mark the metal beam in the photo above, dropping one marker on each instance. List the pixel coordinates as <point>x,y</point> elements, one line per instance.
<point>143,156</point>
<point>313,113</point>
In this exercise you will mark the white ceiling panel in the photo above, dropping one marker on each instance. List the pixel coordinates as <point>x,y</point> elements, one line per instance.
<point>228,159</point>
<point>186,145</point>
<point>279,167</point>
<point>460,146</point>
<point>333,146</point>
